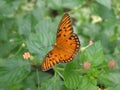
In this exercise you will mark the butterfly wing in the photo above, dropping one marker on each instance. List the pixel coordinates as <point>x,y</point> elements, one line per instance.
<point>69,49</point>
<point>64,28</point>
<point>67,41</point>
<point>51,59</point>
<point>67,45</point>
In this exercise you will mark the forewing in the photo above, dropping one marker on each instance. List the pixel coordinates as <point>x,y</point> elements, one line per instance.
<point>64,28</point>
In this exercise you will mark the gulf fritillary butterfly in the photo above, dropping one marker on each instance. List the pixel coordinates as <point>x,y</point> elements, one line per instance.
<point>66,47</point>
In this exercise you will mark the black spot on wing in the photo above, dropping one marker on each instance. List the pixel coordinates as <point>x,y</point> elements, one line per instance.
<point>64,35</point>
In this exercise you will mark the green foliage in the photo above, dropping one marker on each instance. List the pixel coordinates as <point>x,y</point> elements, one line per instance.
<point>94,55</point>
<point>13,71</point>
<point>53,84</point>
<point>88,84</point>
<point>31,26</point>
<point>71,77</point>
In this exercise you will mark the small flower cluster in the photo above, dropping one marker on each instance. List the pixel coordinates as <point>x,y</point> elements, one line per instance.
<point>112,64</point>
<point>86,65</point>
<point>26,55</point>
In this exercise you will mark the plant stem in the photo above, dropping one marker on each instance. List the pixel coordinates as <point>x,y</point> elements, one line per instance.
<point>18,50</point>
<point>37,72</point>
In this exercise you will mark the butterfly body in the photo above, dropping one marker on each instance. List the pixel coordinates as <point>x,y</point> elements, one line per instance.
<point>66,47</point>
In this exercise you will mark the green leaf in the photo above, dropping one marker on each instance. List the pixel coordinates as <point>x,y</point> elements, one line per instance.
<point>116,87</point>
<point>29,82</point>
<point>117,54</point>
<point>114,77</point>
<point>3,34</point>
<point>13,71</point>
<point>94,29</point>
<point>93,54</point>
<point>104,79</point>
<point>8,8</point>
<point>117,50</point>
<point>38,13</point>
<point>88,84</point>
<point>59,4</point>
<point>44,76</point>
<point>71,77</point>
<point>72,81</point>
<point>24,24</point>
<point>52,84</point>
<point>115,35</point>
<point>42,40</point>
<point>103,12</point>
<point>106,3</point>
<point>71,3</point>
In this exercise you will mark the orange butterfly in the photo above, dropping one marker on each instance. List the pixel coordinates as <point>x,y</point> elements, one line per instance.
<point>66,47</point>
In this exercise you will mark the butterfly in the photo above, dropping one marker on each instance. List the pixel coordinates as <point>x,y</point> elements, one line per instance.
<point>66,47</point>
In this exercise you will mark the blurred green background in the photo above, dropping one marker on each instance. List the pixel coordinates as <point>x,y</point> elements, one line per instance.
<point>31,25</point>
